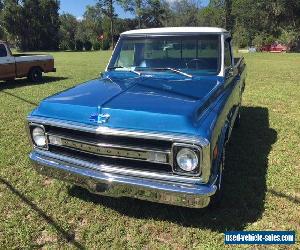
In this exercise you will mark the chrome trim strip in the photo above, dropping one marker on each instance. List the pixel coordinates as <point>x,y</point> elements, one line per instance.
<point>121,146</point>
<point>109,169</point>
<point>232,121</point>
<point>206,163</point>
<point>143,151</point>
<point>115,185</point>
<point>173,137</point>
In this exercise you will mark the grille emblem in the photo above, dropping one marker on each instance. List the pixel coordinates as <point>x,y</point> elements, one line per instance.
<point>100,118</point>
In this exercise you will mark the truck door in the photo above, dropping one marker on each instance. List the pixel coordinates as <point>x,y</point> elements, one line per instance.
<point>232,79</point>
<point>7,63</point>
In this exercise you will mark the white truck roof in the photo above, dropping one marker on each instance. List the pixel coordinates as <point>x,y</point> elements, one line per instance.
<point>177,30</point>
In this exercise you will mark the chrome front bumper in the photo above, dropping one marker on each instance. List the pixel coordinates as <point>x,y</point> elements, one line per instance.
<point>116,185</point>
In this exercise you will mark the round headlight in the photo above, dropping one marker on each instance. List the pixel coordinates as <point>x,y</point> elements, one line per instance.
<point>187,159</point>
<point>39,137</point>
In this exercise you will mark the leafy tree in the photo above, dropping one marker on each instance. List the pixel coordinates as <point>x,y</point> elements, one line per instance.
<point>2,32</point>
<point>33,24</point>
<point>211,16</point>
<point>91,27</point>
<point>79,45</point>
<point>96,45</point>
<point>229,22</point>
<point>122,25</point>
<point>105,44</point>
<point>155,13</point>
<point>88,45</point>
<point>49,23</point>
<point>12,19</point>
<point>68,28</point>
<point>290,37</point>
<point>185,13</point>
<point>136,7</point>
<point>107,8</point>
<point>240,37</point>
<point>259,16</point>
<point>92,22</point>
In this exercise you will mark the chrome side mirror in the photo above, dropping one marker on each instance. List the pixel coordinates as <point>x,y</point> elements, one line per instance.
<point>229,72</point>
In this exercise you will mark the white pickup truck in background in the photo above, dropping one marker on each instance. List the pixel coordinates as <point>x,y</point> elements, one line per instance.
<point>18,66</point>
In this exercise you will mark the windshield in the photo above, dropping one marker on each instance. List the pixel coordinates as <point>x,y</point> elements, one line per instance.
<point>189,54</point>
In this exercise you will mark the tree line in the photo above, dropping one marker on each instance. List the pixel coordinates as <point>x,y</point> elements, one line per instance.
<point>37,24</point>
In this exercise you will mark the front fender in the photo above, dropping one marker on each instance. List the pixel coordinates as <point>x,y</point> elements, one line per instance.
<point>219,147</point>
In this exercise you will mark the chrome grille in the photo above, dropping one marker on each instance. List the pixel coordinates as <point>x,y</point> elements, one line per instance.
<point>110,150</point>
<point>118,140</point>
<point>114,150</point>
<point>128,141</point>
<point>105,150</point>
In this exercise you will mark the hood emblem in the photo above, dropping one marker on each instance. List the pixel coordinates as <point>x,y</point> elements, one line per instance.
<point>99,118</point>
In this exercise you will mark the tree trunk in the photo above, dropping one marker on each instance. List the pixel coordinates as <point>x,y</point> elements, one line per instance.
<point>112,32</point>
<point>111,16</point>
<point>138,12</point>
<point>228,16</point>
<point>139,22</point>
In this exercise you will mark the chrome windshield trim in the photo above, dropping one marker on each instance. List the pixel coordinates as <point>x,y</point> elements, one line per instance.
<point>172,137</point>
<point>109,169</point>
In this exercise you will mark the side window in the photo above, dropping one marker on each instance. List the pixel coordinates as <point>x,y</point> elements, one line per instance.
<point>3,52</point>
<point>228,56</point>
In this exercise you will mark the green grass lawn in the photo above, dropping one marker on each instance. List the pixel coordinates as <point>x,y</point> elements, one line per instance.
<point>262,178</point>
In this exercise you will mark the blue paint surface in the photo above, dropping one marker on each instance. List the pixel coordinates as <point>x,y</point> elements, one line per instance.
<point>164,102</point>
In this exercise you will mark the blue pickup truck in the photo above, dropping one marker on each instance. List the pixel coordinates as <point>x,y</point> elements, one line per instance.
<point>154,126</point>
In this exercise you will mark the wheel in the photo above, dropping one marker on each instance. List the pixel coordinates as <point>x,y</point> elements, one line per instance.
<point>35,75</point>
<point>216,199</point>
<point>9,81</point>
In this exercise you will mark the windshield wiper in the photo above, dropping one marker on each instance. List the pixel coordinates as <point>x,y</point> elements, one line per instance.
<point>126,69</point>
<point>115,67</point>
<point>175,71</point>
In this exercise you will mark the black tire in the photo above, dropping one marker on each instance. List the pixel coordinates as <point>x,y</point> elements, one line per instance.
<point>216,199</point>
<point>9,81</point>
<point>35,75</point>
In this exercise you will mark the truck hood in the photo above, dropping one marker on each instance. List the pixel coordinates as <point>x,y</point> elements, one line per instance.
<point>165,103</point>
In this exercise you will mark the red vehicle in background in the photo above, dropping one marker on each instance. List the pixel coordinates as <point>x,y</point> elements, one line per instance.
<point>274,48</point>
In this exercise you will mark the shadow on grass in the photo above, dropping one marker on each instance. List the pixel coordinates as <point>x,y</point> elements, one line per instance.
<point>20,98</point>
<point>68,236</point>
<point>244,183</point>
<point>25,82</point>
<point>294,199</point>
<point>18,83</point>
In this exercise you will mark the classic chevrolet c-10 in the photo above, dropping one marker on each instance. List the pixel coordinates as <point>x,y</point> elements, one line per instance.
<point>26,65</point>
<point>154,126</point>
